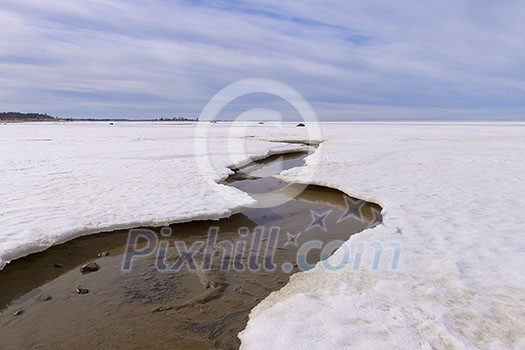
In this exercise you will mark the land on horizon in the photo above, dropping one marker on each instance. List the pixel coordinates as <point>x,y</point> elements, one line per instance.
<point>17,117</point>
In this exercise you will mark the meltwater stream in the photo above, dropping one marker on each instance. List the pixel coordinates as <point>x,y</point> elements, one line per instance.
<point>156,305</point>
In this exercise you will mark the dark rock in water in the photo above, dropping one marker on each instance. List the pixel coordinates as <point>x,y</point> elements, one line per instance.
<point>44,297</point>
<point>18,312</point>
<point>103,254</point>
<point>239,176</point>
<point>82,290</point>
<point>58,265</point>
<point>300,125</point>
<point>89,267</point>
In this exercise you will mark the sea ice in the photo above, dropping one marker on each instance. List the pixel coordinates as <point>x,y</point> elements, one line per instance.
<point>453,195</point>
<point>64,180</point>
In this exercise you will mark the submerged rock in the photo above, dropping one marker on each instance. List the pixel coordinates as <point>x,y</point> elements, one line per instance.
<point>89,267</point>
<point>18,312</point>
<point>44,297</point>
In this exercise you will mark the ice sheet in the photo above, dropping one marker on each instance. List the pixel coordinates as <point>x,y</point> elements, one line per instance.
<point>456,192</point>
<point>64,180</point>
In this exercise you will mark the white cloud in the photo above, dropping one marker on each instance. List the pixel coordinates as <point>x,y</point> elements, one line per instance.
<point>126,59</point>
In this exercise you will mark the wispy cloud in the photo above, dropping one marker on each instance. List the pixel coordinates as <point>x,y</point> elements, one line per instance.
<point>351,59</point>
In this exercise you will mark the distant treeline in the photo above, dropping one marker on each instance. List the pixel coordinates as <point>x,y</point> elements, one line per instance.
<point>25,116</point>
<point>17,116</point>
<point>178,119</point>
<point>174,119</point>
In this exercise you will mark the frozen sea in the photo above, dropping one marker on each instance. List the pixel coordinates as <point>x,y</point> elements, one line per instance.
<point>452,193</point>
<point>64,180</point>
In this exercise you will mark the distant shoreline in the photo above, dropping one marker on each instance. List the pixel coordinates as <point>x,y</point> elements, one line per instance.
<point>19,121</point>
<point>17,117</point>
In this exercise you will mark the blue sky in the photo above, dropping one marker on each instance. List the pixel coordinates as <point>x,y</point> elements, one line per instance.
<point>352,60</point>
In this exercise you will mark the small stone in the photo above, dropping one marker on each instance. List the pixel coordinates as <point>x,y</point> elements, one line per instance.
<point>103,254</point>
<point>89,267</point>
<point>300,125</point>
<point>58,265</point>
<point>44,297</point>
<point>82,290</point>
<point>18,312</point>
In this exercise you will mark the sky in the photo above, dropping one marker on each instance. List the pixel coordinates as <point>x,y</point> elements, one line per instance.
<point>351,60</point>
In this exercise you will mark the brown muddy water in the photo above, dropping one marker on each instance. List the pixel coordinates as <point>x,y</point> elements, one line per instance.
<point>172,307</point>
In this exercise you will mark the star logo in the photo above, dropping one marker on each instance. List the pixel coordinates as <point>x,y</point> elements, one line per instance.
<point>353,208</point>
<point>292,239</point>
<point>318,220</point>
<point>376,218</point>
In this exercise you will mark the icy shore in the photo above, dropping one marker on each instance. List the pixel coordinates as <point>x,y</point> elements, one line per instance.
<point>453,195</point>
<point>64,180</point>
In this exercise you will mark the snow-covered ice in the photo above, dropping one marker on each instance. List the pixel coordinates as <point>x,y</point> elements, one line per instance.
<point>456,192</point>
<point>453,190</point>
<point>64,180</point>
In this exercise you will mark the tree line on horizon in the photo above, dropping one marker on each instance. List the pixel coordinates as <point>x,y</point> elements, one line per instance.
<point>18,116</point>
<point>25,116</point>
